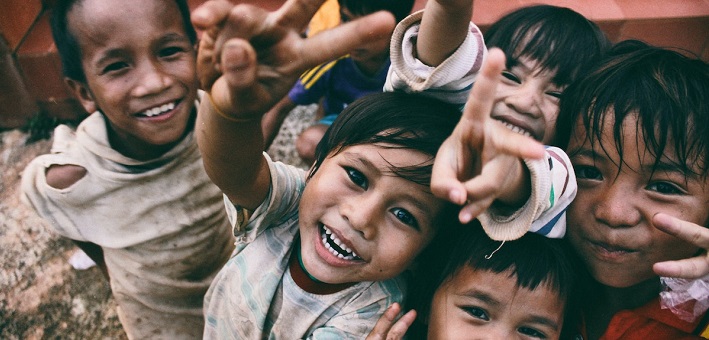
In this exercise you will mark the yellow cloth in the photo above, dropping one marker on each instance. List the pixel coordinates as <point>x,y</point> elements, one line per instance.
<point>328,16</point>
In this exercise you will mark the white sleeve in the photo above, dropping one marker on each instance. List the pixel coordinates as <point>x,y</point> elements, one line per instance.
<point>553,189</point>
<point>450,81</point>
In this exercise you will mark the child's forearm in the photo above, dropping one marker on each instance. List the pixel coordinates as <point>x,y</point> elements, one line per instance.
<point>518,188</point>
<point>444,27</point>
<point>450,80</point>
<point>232,154</point>
<point>553,187</point>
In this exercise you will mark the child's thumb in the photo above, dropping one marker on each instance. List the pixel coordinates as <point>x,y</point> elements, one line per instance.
<point>238,64</point>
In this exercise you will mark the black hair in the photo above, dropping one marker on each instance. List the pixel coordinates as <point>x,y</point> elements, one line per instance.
<point>399,8</point>
<point>68,46</point>
<point>668,91</point>
<point>558,38</point>
<point>392,120</point>
<point>533,261</point>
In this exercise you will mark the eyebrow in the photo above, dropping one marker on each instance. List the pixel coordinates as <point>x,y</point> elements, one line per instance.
<point>482,296</point>
<point>107,55</point>
<point>661,166</point>
<point>357,158</point>
<point>173,37</point>
<point>544,321</point>
<point>118,52</point>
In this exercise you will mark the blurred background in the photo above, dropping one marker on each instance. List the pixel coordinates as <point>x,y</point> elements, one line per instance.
<point>30,70</point>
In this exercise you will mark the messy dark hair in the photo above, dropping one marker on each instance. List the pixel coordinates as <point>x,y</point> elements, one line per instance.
<point>558,38</point>
<point>665,92</point>
<point>393,120</point>
<point>533,261</point>
<point>68,46</point>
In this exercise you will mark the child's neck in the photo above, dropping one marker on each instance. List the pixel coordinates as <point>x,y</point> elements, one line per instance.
<point>607,301</point>
<point>306,281</point>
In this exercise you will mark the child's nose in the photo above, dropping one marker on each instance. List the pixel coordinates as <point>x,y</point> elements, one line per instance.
<point>362,212</point>
<point>526,100</point>
<point>152,80</point>
<point>617,207</point>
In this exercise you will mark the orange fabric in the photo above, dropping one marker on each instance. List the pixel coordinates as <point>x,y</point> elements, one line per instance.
<point>650,322</point>
<point>328,16</point>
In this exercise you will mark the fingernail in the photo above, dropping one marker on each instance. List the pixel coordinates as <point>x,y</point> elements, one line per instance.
<point>237,55</point>
<point>457,196</point>
<point>465,216</point>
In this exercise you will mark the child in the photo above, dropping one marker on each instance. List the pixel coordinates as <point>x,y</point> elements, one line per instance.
<point>658,94</point>
<point>442,57</point>
<point>130,178</point>
<point>638,138</point>
<point>479,106</point>
<point>319,256</point>
<point>470,286</point>
<point>335,84</point>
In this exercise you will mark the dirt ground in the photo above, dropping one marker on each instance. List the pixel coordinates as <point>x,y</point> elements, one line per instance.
<point>41,295</point>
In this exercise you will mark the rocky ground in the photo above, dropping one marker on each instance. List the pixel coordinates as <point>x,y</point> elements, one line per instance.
<point>41,295</point>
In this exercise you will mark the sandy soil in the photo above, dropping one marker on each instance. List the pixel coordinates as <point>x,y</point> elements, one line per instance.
<point>41,295</point>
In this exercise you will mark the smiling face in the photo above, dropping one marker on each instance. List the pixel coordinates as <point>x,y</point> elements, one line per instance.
<point>140,71</point>
<point>481,304</point>
<point>361,222</point>
<point>610,218</point>
<point>527,100</point>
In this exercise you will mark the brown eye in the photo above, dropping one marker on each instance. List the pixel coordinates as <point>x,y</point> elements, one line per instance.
<point>511,76</point>
<point>555,94</point>
<point>113,67</point>
<point>406,217</point>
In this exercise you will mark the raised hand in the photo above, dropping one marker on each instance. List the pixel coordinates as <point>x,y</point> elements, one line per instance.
<point>249,57</point>
<point>390,327</point>
<point>481,162</point>
<point>691,268</point>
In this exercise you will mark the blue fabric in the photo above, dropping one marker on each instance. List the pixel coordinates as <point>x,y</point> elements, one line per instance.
<point>339,83</point>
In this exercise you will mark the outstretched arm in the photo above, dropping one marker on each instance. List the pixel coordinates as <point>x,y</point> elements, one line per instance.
<point>444,27</point>
<point>692,268</point>
<point>248,59</point>
<point>481,162</point>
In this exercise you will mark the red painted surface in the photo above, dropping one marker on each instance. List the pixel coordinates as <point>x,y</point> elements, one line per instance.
<point>31,67</point>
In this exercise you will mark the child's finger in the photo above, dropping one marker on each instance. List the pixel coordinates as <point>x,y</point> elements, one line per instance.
<point>481,192</point>
<point>695,267</point>
<point>474,209</point>
<point>401,326</point>
<point>344,38</point>
<point>692,268</point>
<point>690,232</point>
<point>512,143</point>
<point>237,87</point>
<point>388,327</point>
<point>210,14</point>
<point>297,13</point>
<point>481,99</point>
<point>238,63</point>
<point>446,171</point>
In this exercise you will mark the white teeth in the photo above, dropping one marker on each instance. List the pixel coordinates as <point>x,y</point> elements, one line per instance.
<point>517,129</point>
<point>328,237</point>
<point>158,110</point>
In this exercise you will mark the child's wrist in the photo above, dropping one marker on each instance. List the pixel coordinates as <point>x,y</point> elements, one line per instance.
<point>229,117</point>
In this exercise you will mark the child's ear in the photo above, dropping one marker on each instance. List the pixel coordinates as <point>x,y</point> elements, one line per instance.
<point>83,94</point>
